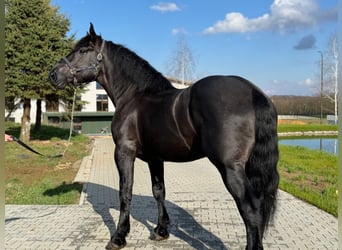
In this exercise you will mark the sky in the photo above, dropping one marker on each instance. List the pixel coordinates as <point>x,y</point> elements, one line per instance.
<point>272,43</point>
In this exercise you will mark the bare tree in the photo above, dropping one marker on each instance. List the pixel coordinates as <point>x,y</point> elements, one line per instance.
<point>331,72</point>
<point>182,64</point>
<point>328,65</point>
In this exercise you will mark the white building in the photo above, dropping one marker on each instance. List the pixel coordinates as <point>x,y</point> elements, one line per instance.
<point>97,99</point>
<point>98,104</point>
<point>18,113</point>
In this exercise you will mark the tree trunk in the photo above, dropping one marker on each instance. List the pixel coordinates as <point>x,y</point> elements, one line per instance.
<point>25,121</point>
<point>38,123</point>
<point>51,103</point>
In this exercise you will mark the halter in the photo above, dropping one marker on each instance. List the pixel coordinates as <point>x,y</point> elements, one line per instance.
<point>95,66</point>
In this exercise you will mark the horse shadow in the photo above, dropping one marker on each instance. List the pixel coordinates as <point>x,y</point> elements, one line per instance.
<point>144,210</point>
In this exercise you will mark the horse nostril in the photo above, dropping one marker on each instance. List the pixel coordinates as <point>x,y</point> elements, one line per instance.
<point>53,76</point>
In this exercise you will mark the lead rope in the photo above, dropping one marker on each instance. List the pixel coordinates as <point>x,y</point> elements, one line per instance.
<point>71,122</point>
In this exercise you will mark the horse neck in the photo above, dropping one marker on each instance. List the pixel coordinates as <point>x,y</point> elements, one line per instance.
<point>126,74</point>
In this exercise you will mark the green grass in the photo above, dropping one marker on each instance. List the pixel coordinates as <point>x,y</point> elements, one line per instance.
<point>32,179</point>
<point>306,127</point>
<point>47,191</point>
<point>310,175</point>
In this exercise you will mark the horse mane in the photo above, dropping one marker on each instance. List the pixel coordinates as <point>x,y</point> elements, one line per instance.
<point>136,70</point>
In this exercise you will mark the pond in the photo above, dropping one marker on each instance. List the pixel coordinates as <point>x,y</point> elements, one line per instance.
<point>327,144</point>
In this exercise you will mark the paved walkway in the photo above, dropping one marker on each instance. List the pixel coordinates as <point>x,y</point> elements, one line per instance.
<point>203,215</point>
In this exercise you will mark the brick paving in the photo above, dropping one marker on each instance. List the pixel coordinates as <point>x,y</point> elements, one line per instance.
<point>203,214</point>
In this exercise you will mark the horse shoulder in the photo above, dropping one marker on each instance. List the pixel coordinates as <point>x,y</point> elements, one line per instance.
<point>125,128</point>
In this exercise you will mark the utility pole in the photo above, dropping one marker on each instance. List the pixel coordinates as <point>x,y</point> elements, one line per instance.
<point>321,99</point>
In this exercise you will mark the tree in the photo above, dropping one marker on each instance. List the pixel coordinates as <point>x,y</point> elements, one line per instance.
<point>182,64</point>
<point>35,39</point>
<point>301,105</point>
<point>331,72</point>
<point>328,65</point>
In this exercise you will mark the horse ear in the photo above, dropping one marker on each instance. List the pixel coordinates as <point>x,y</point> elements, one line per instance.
<point>92,33</point>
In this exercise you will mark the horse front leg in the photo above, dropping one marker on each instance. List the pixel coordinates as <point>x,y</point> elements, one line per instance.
<point>158,188</point>
<point>124,159</point>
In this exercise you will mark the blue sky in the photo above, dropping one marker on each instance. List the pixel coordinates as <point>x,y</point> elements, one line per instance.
<point>273,43</point>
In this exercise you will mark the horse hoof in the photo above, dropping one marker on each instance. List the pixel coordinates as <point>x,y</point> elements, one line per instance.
<point>159,233</point>
<point>116,246</point>
<point>157,237</point>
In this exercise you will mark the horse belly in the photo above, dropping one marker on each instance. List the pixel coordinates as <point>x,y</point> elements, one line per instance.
<point>176,150</point>
<point>170,147</point>
<point>167,130</point>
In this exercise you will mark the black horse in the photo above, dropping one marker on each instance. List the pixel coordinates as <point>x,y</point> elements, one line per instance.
<point>224,118</point>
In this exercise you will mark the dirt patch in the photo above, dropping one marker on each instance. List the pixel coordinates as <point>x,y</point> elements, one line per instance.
<point>63,165</point>
<point>76,164</point>
<point>291,121</point>
<point>27,175</point>
<point>62,143</point>
<point>304,180</point>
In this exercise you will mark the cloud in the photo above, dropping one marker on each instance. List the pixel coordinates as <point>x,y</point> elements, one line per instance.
<point>177,31</point>
<point>307,42</point>
<point>285,16</point>
<point>165,7</point>
<point>307,82</point>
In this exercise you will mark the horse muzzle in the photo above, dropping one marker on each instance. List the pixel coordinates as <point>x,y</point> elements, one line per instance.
<point>58,80</point>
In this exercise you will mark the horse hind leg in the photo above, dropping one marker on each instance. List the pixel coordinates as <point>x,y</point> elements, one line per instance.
<point>158,189</point>
<point>249,205</point>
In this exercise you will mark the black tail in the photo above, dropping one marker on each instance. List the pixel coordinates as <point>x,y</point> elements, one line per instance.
<point>261,167</point>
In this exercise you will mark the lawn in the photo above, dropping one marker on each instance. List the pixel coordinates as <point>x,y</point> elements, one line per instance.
<point>310,175</point>
<point>306,127</point>
<point>33,179</point>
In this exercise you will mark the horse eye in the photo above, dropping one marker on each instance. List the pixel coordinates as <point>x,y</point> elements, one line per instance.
<point>83,50</point>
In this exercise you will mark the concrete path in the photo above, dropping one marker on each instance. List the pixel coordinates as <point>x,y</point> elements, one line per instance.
<point>203,215</point>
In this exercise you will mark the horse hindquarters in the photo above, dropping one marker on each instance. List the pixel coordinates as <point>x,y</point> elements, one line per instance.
<point>231,160</point>
<point>237,126</point>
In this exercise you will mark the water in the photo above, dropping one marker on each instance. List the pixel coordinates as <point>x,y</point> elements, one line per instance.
<point>329,145</point>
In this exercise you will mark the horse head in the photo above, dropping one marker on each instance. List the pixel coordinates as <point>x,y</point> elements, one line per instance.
<point>82,65</point>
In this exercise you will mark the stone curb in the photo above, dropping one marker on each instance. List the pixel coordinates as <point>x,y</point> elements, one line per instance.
<point>309,133</point>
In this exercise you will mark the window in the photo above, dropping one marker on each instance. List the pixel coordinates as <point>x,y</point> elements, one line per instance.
<point>101,102</point>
